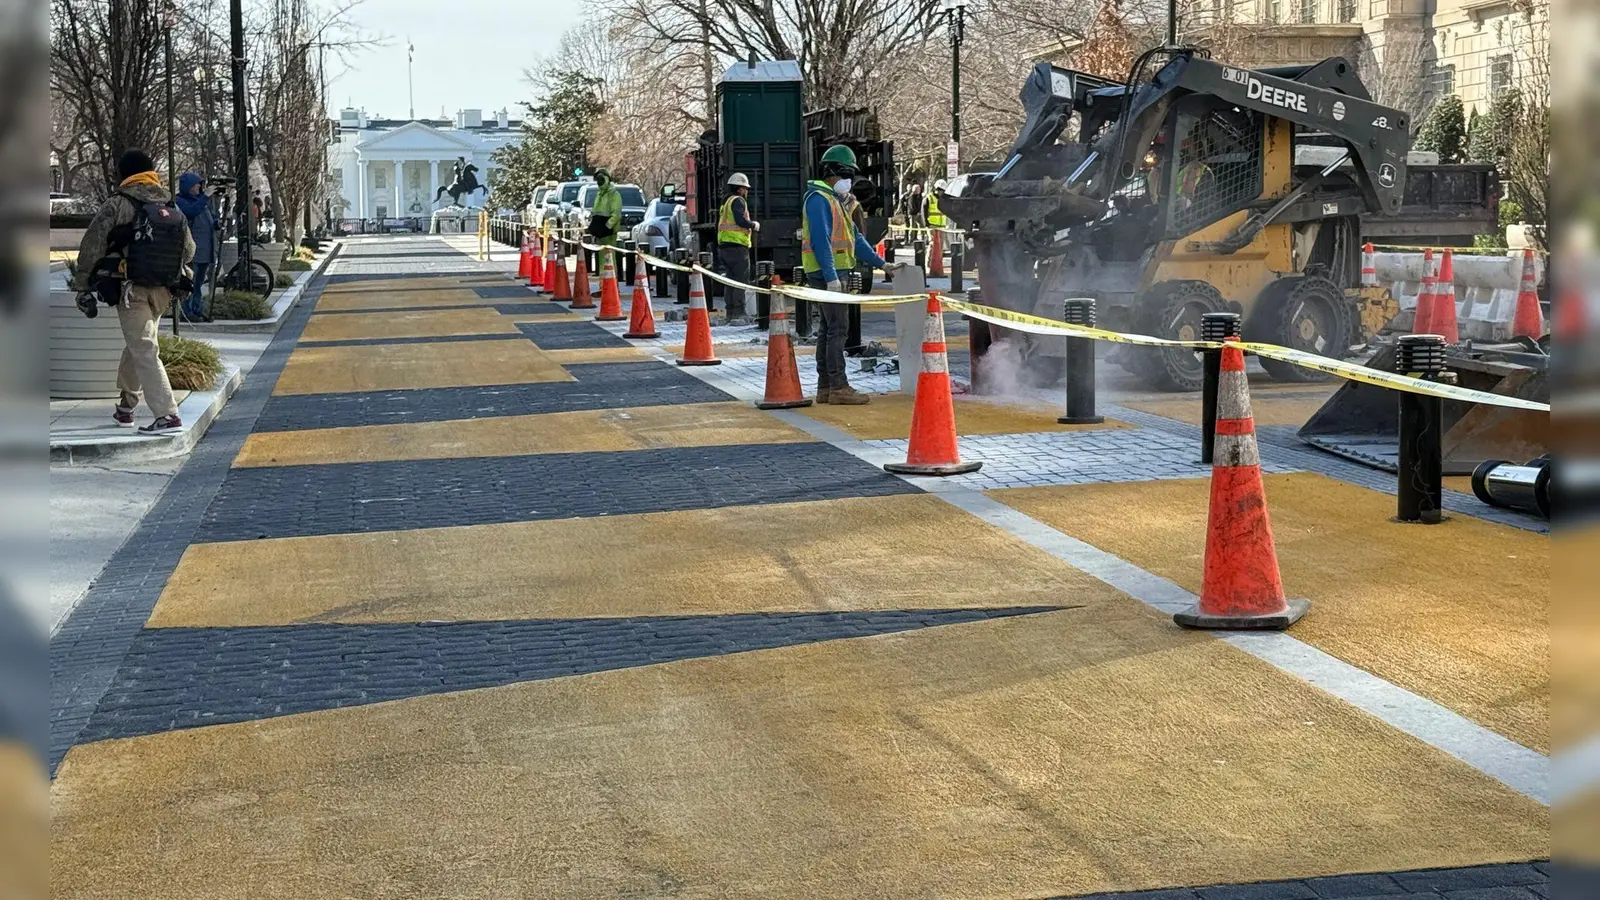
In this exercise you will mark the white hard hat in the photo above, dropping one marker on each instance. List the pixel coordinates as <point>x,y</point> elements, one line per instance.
<point>939,185</point>
<point>737,179</point>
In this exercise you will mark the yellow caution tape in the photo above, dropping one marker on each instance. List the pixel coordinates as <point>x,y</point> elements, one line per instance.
<point>1380,378</point>
<point>1040,325</point>
<point>816,295</point>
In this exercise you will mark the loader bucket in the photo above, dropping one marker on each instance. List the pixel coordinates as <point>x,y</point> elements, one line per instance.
<point>1361,422</point>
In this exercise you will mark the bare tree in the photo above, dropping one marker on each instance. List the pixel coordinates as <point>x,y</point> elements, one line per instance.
<point>842,46</point>
<point>106,66</point>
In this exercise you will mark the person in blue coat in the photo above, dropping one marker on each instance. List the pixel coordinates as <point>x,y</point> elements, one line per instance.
<point>196,207</point>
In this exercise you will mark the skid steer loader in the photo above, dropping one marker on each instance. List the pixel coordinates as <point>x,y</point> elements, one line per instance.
<point>1194,187</point>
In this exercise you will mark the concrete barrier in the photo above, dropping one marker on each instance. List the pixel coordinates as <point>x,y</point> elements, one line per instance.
<point>1486,290</point>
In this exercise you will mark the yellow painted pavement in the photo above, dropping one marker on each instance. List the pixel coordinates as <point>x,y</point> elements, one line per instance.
<point>1272,404</point>
<point>888,416</point>
<point>1085,750</point>
<point>24,823</point>
<point>581,431</point>
<point>386,367</point>
<point>904,552</point>
<point>402,298</point>
<point>1456,612</point>
<point>419,323</point>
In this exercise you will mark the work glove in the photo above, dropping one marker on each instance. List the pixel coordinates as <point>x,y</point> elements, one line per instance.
<point>836,286</point>
<point>755,226</point>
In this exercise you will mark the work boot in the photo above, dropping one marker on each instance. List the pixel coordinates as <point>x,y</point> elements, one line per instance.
<point>847,396</point>
<point>823,393</point>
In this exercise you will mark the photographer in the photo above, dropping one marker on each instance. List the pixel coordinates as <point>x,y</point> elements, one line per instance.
<point>135,254</point>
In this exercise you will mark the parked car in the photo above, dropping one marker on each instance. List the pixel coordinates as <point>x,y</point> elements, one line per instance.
<point>545,196</point>
<point>559,203</point>
<point>632,207</point>
<point>656,232</point>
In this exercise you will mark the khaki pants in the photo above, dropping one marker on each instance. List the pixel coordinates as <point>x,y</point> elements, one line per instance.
<point>140,313</point>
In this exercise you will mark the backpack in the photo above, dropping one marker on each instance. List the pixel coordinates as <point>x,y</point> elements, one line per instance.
<point>155,243</point>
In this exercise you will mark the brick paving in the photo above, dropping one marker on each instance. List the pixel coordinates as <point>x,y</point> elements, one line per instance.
<point>113,678</point>
<point>429,339</point>
<point>187,677</point>
<point>598,386</point>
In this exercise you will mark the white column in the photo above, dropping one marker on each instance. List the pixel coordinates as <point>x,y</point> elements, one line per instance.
<point>361,189</point>
<point>398,208</point>
<point>433,182</point>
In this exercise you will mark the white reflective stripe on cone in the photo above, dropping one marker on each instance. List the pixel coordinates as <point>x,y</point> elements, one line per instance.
<point>935,363</point>
<point>1231,450</point>
<point>1233,396</point>
<point>933,329</point>
<point>697,291</point>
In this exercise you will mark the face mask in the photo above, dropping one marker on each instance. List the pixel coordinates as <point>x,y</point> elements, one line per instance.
<point>842,187</point>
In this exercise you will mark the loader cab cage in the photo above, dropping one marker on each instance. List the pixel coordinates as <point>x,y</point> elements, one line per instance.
<point>1216,169</point>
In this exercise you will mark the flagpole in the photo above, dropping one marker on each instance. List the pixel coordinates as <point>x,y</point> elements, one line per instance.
<point>411,95</point>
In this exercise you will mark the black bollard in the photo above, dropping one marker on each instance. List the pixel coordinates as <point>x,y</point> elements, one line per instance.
<point>919,254</point>
<point>956,253</point>
<point>1214,326</point>
<point>1079,365</point>
<point>704,261</point>
<point>683,278</point>
<point>802,308</point>
<point>626,264</point>
<point>764,272</point>
<point>888,257</point>
<point>1421,458</point>
<point>980,335</point>
<point>663,276</point>
<point>853,282</point>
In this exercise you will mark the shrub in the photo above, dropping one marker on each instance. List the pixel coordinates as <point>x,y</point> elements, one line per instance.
<point>283,280</point>
<point>191,365</point>
<point>294,264</point>
<point>1444,131</point>
<point>305,253</point>
<point>240,305</point>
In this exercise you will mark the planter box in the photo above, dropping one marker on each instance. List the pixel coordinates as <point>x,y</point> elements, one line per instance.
<point>84,352</point>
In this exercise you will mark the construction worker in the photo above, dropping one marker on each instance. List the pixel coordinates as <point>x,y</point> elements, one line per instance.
<point>935,218</point>
<point>605,217</point>
<point>829,244</point>
<point>734,228</point>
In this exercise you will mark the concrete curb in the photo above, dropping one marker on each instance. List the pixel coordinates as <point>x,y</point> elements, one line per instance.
<point>280,308</point>
<point>198,411</point>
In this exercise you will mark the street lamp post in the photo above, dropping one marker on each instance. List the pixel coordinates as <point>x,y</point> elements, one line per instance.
<point>168,14</point>
<point>957,11</point>
<point>241,151</point>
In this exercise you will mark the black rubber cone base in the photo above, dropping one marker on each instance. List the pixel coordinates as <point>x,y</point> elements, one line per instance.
<point>958,468</point>
<point>1193,618</point>
<point>611,318</point>
<point>641,337</point>
<point>1080,420</point>
<point>785,404</point>
<point>699,362</point>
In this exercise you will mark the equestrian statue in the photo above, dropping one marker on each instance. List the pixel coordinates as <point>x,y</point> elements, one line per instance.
<point>464,183</point>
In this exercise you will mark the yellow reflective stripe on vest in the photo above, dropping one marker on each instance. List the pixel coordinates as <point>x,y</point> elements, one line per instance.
<point>728,230</point>
<point>842,238</point>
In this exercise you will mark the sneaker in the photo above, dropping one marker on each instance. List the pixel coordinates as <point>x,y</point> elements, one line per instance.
<point>848,396</point>
<point>122,416</point>
<point>740,320</point>
<point>163,425</point>
<point>822,394</point>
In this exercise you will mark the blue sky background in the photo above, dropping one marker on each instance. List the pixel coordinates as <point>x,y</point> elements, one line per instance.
<point>470,54</point>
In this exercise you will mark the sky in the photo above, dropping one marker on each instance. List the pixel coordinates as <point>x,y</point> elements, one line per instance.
<point>469,54</point>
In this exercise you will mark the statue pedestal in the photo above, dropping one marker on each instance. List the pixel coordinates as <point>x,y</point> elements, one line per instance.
<point>454,220</point>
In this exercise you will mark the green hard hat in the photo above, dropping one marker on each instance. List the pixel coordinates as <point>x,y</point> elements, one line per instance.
<point>839,157</point>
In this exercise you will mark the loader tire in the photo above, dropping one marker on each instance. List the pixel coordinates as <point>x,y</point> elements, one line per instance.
<point>1312,315</point>
<point>1175,308</point>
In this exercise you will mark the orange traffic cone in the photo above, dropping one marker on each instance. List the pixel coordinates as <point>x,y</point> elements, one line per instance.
<point>932,449</point>
<point>1423,323</point>
<point>1444,302</point>
<point>535,261</point>
<point>524,267</point>
<point>550,267</point>
<point>783,376</point>
<point>641,318</point>
<point>1369,265</point>
<point>610,296</point>
<point>1242,587</point>
<point>936,254</point>
<point>697,343</point>
<point>561,289</point>
<point>582,296</point>
<point>1529,319</point>
<point>1570,311</point>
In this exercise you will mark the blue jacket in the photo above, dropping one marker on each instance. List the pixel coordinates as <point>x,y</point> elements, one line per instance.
<point>202,221</point>
<point>819,216</point>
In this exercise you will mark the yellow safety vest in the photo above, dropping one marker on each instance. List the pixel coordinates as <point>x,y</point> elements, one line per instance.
<point>935,218</point>
<point>842,239</point>
<point>728,230</point>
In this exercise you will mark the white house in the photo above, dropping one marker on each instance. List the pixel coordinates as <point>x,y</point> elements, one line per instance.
<point>394,168</point>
